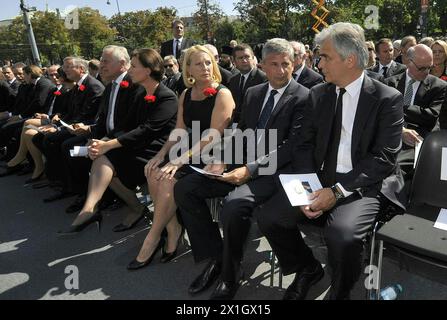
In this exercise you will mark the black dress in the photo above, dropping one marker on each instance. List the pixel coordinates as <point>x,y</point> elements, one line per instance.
<point>195,110</point>
<point>148,127</point>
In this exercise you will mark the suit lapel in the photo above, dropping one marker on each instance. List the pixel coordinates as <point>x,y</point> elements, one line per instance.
<point>422,90</point>
<point>401,84</point>
<point>328,100</point>
<point>366,104</point>
<point>257,106</point>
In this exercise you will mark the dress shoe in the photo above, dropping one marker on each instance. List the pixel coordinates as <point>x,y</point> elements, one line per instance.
<point>58,196</point>
<point>95,218</point>
<point>122,227</point>
<point>208,276</point>
<point>168,256</point>
<point>77,205</point>
<point>303,281</point>
<point>33,180</point>
<point>225,290</point>
<point>135,264</point>
<point>11,170</point>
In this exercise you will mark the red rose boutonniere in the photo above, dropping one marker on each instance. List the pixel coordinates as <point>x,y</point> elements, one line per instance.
<point>444,78</point>
<point>149,99</point>
<point>81,87</point>
<point>209,92</point>
<point>124,84</point>
<point>57,93</point>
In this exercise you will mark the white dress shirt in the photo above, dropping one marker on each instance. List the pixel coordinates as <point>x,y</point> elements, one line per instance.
<point>82,79</point>
<point>276,97</point>
<point>298,72</point>
<point>388,66</point>
<point>350,104</point>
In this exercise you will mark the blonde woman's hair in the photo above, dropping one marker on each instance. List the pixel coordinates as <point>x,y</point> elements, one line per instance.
<point>187,62</point>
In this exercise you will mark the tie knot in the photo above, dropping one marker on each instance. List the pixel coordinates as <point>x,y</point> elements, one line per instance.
<point>411,81</point>
<point>342,91</point>
<point>273,92</point>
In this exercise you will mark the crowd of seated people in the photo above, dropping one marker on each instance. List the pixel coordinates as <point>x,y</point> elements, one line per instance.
<point>349,110</point>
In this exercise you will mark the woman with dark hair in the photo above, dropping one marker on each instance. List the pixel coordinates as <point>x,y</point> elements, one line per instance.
<point>41,124</point>
<point>148,124</point>
<point>210,104</point>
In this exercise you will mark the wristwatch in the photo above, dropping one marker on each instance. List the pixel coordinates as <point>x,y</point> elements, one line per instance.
<point>337,192</point>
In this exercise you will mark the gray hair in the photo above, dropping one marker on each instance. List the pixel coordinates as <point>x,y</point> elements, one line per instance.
<point>301,47</point>
<point>78,62</point>
<point>119,53</point>
<point>174,59</point>
<point>278,45</point>
<point>396,44</point>
<point>347,39</point>
<point>18,65</point>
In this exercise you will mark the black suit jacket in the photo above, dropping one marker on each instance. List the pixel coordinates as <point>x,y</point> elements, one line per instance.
<point>309,78</point>
<point>396,68</point>
<point>172,82</point>
<point>39,95</point>
<point>123,104</point>
<point>226,75</point>
<point>62,102</point>
<point>167,46</point>
<point>286,119</point>
<point>15,86</point>
<point>148,125</point>
<point>376,139</point>
<point>85,104</point>
<point>423,115</point>
<point>375,75</point>
<point>256,77</point>
<point>7,96</point>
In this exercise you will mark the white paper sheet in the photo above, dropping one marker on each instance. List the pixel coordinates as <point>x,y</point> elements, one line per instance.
<point>444,164</point>
<point>299,186</point>
<point>79,151</point>
<point>205,172</point>
<point>66,125</point>
<point>417,150</point>
<point>441,222</point>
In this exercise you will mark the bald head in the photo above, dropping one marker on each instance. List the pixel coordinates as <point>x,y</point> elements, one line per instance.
<point>213,51</point>
<point>420,60</point>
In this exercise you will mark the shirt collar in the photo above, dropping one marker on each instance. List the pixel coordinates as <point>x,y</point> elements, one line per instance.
<point>388,65</point>
<point>408,78</point>
<point>120,78</point>
<point>36,80</point>
<point>12,81</point>
<point>280,90</point>
<point>298,72</point>
<point>354,87</point>
<point>179,39</point>
<point>82,79</point>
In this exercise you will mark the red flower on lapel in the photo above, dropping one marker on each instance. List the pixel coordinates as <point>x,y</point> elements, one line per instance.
<point>57,93</point>
<point>81,87</point>
<point>124,84</point>
<point>150,99</point>
<point>444,78</point>
<point>209,92</point>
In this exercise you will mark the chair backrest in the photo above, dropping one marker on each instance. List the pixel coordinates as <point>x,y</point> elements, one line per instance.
<point>427,186</point>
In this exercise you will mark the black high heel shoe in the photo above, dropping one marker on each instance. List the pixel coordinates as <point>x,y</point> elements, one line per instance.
<point>122,227</point>
<point>95,218</point>
<point>135,264</point>
<point>168,256</point>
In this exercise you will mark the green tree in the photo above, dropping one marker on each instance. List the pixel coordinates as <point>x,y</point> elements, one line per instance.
<point>230,30</point>
<point>207,18</point>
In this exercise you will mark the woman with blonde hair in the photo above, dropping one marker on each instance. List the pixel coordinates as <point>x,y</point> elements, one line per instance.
<point>210,104</point>
<point>439,48</point>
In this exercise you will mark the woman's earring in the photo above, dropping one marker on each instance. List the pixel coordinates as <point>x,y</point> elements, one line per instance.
<point>214,78</point>
<point>191,80</point>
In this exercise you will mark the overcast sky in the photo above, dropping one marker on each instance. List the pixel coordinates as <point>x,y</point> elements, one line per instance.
<point>10,8</point>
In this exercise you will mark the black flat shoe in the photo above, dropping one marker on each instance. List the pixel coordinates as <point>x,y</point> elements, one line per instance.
<point>168,256</point>
<point>95,218</point>
<point>135,264</point>
<point>122,227</point>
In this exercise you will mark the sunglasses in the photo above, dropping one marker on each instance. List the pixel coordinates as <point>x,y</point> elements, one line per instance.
<point>421,69</point>
<point>169,65</point>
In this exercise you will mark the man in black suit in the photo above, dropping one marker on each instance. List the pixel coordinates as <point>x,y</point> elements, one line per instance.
<point>226,60</point>
<point>301,73</point>
<point>173,74</point>
<point>226,75</point>
<point>276,106</point>
<point>85,103</point>
<point>424,95</point>
<point>114,108</point>
<point>386,66</point>
<point>11,79</point>
<point>175,46</point>
<point>350,137</point>
<point>248,77</point>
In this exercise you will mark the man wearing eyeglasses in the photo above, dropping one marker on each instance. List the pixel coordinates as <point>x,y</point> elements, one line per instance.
<point>172,72</point>
<point>423,98</point>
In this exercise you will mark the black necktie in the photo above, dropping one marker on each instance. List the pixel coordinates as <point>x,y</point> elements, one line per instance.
<point>330,161</point>
<point>384,70</point>
<point>177,49</point>
<point>241,88</point>
<point>267,111</point>
<point>295,76</point>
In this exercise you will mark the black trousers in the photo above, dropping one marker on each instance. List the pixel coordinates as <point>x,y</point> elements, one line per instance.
<point>75,169</point>
<point>190,193</point>
<point>10,137</point>
<point>347,225</point>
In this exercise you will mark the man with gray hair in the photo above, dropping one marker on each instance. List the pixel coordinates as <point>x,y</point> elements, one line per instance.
<point>301,73</point>
<point>350,138</point>
<point>276,106</point>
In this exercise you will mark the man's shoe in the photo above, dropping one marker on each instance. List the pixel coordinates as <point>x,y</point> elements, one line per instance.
<point>76,205</point>
<point>303,281</point>
<point>208,276</point>
<point>58,196</point>
<point>225,290</point>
